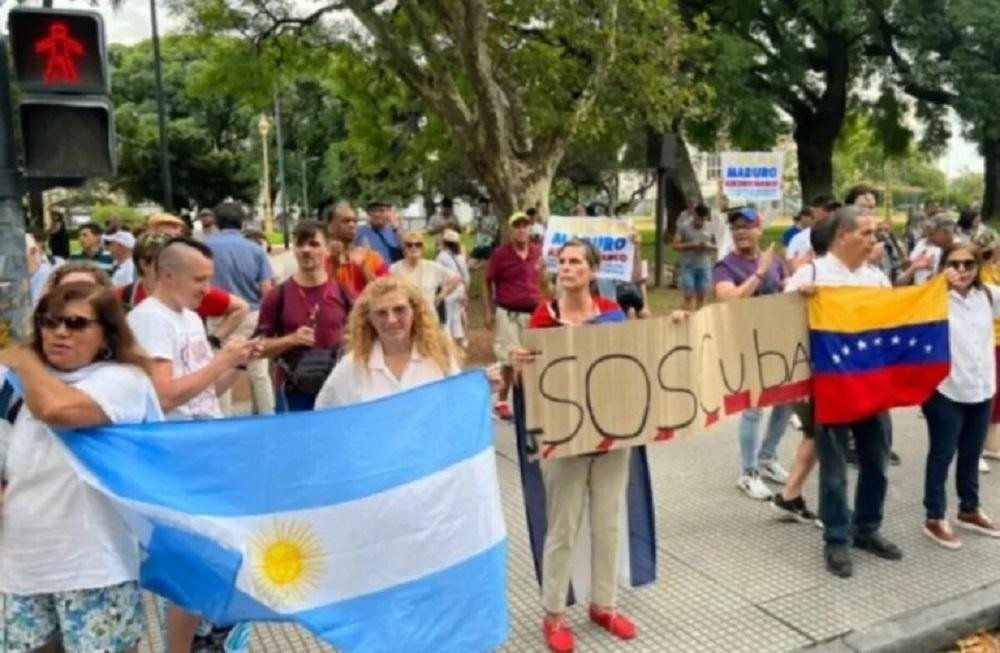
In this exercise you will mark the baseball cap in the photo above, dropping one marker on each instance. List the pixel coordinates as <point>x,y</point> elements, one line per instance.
<point>517,216</point>
<point>379,204</point>
<point>747,213</point>
<point>123,238</point>
<point>450,236</point>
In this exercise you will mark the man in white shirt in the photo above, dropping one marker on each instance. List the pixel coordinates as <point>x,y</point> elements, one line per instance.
<point>120,245</point>
<point>847,265</point>
<point>799,250</point>
<point>187,377</point>
<point>925,259</point>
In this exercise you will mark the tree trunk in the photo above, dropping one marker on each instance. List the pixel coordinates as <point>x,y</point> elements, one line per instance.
<point>815,154</point>
<point>514,186</point>
<point>683,188</point>
<point>991,178</point>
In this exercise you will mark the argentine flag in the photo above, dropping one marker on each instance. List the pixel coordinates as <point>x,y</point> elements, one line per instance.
<point>377,526</point>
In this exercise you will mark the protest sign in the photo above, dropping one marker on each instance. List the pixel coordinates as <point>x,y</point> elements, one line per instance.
<point>611,236</point>
<point>619,385</point>
<point>752,176</point>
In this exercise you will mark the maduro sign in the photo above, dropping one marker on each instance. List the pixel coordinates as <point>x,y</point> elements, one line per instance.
<point>620,385</point>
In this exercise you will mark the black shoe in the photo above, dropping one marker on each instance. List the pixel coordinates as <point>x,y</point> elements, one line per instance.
<point>894,458</point>
<point>795,509</point>
<point>875,543</point>
<point>838,560</point>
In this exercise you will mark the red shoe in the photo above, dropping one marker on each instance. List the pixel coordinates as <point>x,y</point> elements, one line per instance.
<point>501,410</point>
<point>614,622</point>
<point>557,634</point>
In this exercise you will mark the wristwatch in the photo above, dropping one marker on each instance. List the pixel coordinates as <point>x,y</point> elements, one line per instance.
<point>214,341</point>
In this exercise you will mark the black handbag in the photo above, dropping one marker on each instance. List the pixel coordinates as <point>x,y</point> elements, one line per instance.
<point>306,369</point>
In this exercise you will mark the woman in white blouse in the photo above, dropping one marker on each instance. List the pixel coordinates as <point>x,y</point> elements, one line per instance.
<point>394,343</point>
<point>452,258</point>
<point>434,280</point>
<point>958,413</point>
<point>68,561</point>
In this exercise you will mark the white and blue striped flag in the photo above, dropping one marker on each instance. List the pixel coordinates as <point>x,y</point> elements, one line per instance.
<point>377,526</point>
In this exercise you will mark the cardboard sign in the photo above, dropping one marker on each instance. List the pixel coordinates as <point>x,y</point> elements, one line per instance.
<point>612,237</point>
<point>596,388</point>
<point>755,176</point>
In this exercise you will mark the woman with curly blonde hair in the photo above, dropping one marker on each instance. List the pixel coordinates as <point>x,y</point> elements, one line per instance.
<point>394,342</point>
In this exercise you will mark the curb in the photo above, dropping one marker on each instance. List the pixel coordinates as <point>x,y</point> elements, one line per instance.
<point>924,630</point>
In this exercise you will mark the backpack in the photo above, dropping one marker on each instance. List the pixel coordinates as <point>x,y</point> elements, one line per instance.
<point>307,368</point>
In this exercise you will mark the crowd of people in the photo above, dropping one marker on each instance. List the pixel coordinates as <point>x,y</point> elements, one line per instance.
<point>152,324</point>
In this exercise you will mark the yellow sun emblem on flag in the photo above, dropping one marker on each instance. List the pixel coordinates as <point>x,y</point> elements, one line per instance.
<point>287,562</point>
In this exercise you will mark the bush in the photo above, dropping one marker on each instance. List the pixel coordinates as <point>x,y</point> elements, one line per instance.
<point>127,214</point>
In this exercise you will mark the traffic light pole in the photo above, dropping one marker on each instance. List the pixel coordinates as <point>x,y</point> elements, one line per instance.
<point>15,305</point>
<point>161,114</point>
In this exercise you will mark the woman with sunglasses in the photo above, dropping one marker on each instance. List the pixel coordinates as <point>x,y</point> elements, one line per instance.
<point>393,343</point>
<point>68,562</point>
<point>569,484</point>
<point>434,280</point>
<point>958,413</point>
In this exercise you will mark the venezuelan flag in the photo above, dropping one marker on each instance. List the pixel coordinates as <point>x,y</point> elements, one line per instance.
<point>877,348</point>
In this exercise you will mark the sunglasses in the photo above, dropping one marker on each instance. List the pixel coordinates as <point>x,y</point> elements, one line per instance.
<point>415,245</point>
<point>71,322</point>
<point>965,264</point>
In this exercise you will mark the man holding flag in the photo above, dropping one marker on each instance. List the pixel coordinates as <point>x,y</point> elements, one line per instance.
<point>862,341</point>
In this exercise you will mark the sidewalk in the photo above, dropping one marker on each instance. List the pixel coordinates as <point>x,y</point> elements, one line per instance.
<point>733,578</point>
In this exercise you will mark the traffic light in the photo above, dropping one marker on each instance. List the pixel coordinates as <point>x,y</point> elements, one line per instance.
<point>61,66</point>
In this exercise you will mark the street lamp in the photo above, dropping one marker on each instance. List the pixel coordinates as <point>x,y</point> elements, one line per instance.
<point>264,125</point>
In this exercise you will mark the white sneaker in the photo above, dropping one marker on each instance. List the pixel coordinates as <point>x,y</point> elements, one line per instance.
<point>983,467</point>
<point>772,470</point>
<point>753,487</point>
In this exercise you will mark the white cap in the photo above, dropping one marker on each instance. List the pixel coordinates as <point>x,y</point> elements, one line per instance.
<point>123,238</point>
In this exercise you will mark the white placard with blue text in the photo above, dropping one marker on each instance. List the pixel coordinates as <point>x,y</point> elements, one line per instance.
<point>753,176</point>
<point>611,236</point>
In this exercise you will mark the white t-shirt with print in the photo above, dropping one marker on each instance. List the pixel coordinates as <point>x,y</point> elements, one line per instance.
<point>57,533</point>
<point>427,276</point>
<point>178,337</point>
<point>921,249</point>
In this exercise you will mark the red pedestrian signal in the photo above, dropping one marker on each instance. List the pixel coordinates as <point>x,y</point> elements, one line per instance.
<point>61,67</point>
<point>60,51</point>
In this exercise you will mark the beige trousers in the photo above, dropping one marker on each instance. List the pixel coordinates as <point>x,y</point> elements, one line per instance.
<point>259,372</point>
<point>569,484</point>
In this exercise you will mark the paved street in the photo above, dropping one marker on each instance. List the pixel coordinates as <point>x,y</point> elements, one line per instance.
<point>731,577</point>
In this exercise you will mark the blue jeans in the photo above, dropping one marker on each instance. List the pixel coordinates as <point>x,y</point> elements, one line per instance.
<point>695,279</point>
<point>750,455</point>
<point>954,427</point>
<point>872,441</point>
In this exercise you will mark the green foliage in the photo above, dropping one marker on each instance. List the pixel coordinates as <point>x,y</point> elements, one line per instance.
<point>862,155</point>
<point>128,215</point>
<point>488,101</point>
<point>206,132</point>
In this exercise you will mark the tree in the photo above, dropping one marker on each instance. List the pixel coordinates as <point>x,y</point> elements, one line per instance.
<point>944,54</point>
<point>510,82</point>
<point>209,161</point>
<point>803,56</point>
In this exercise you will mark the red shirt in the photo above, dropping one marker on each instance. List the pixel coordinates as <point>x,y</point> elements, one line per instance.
<point>215,303</point>
<point>330,301</point>
<point>515,279</point>
<point>544,316</point>
<point>353,276</point>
